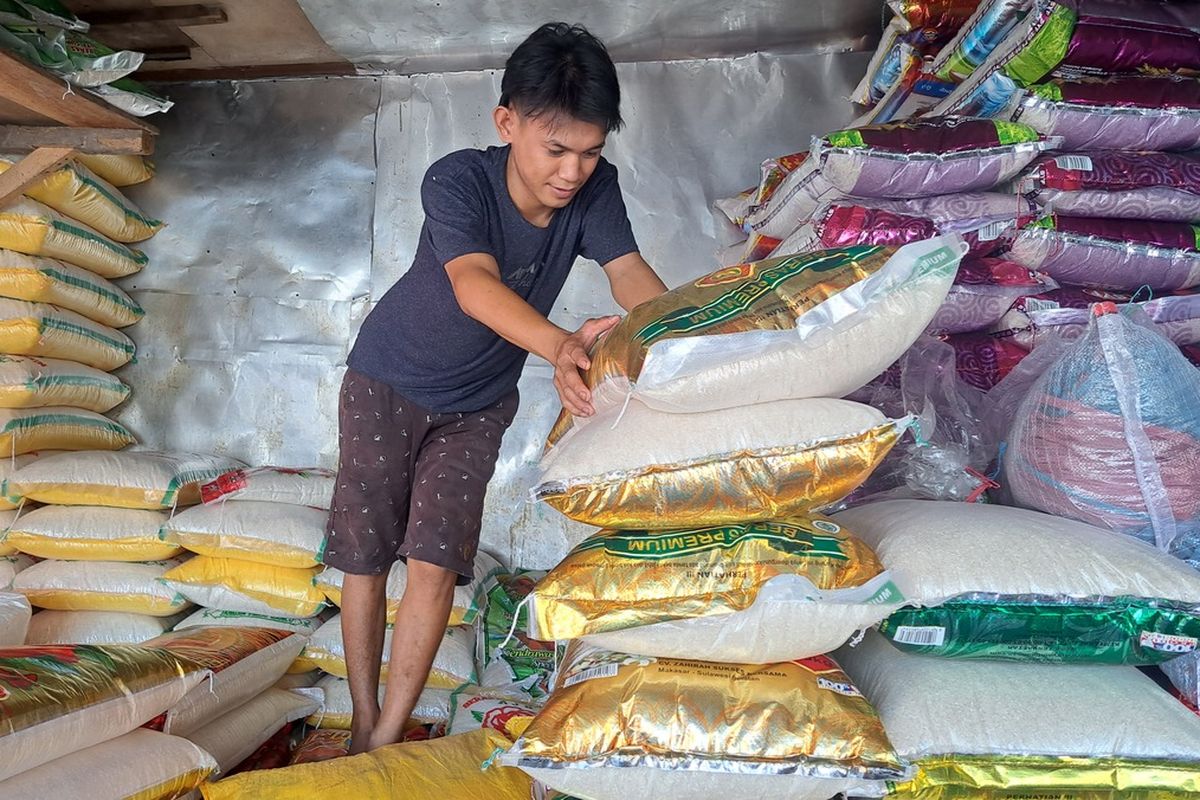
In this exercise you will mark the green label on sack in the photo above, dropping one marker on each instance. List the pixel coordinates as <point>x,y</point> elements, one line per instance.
<point>781,536</point>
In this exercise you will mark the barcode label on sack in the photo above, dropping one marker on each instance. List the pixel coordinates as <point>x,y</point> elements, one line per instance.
<point>1166,643</point>
<point>993,230</point>
<point>1031,304</point>
<point>602,671</point>
<point>1078,163</point>
<point>924,635</point>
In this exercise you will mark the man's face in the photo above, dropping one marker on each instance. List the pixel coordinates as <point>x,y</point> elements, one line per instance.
<point>552,157</point>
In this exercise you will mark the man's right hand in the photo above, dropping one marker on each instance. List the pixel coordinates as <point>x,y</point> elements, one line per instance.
<point>570,357</point>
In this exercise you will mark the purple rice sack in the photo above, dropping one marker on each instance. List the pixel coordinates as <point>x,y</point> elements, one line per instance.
<point>1111,253</point>
<point>1117,184</point>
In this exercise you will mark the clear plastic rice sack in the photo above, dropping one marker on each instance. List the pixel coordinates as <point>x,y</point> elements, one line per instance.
<point>1111,254</point>
<point>929,156</point>
<point>1117,184</point>
<point>1110,434</point>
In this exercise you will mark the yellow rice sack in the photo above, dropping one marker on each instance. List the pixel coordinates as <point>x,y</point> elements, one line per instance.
<point>90,533</point>
<point>79,193</point>
<point>141,765</point>
<point>35,229</point>
<point>453,665</point>
<point>26,430</point>
<point>752,593</point>
<point>232,585</point>
<point>134,588</point>
<point>145,479</point>
<point>433,705</point>
<point>463,611</point>
<point>278,534</point>
<point>448,767</point>
<point>639,468</point>
<point>75,696</point>
<point>618,726</point>
<point>120,171</point>
<point>45,280</point>
<point>30,382</point>
<point>40,329</point>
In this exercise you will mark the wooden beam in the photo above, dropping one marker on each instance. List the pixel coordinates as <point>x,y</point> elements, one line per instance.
<point>29,170</point>
<point>178,53</point>
<point>117,141</point>
<point>179,16</point>
<point>42,93</point>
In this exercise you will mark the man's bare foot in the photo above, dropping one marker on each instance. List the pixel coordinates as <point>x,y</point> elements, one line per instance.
<point>378,739</point>
<point>360,738</point>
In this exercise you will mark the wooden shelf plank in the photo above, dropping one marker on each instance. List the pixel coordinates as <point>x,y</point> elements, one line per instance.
<point>115,141</point>
<point>42,93</point>
<point>29,170</point>
<point>182,16</point>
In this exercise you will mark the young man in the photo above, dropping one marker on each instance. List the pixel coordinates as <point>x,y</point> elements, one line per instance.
<point>431,385</point>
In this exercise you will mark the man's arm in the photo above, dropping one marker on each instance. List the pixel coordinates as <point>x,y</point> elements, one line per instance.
<point>483,296</point>
<point>633,281</point>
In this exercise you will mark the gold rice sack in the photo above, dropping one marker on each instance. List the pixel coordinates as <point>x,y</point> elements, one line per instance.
<point>625,579</point>
<point>794,719</point>
<point>760,296</point>
<point>725,486</point>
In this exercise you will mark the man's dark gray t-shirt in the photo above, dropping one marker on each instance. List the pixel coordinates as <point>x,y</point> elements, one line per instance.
<point>418,340</point>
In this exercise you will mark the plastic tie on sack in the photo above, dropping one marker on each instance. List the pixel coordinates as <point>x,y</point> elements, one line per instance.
<point>1103,309</point>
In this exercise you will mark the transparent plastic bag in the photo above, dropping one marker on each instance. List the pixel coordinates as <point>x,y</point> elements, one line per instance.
<point>1110,434</point>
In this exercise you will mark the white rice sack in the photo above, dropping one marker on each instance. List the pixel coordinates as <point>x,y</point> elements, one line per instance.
<point>981,720</point>
<point>433,705</point>
<point>101,586</point>
<point>208,617</point>
<point>92,533</point>
<point>453,665</point>
<point>10,566</point>
<point>279,534</point>
<point>140,764</point>
<point>95,627</point>
<point>311,486</point>
<point>14,618</point>
<point>29,382</point>
<point>801,191</point>
<point>466,600</point>
<point>7,467</point>
<point>144,479</point>
<point>1009,583</point>
<point>233,737</point>
<point>814,325</point>
<point>649,469</point>
<point>244,663</point>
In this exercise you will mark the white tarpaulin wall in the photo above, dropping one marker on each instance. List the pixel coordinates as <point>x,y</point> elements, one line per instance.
<point>292,205</point>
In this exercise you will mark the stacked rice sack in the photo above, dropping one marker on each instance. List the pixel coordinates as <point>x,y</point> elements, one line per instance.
<point>61,247</point>
<point>715,589</point>
<point>1036,624</point>
<point>94,517</point>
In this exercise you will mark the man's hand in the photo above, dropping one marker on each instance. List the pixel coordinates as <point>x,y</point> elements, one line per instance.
<point>571,357</point>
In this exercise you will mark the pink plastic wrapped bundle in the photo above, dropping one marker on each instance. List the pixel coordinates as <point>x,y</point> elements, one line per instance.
<point>1110,435</point>
<point>1111,253</point>
<point>1175,317</point>
<point>1117,184</point>
<point>983,292</point>
<point>929,156</point>
<point>985,220</point>
<point>984,359</point>
<point>1131,113</point>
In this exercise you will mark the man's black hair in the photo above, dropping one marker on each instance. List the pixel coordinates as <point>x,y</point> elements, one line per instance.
<point>563,69</point>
